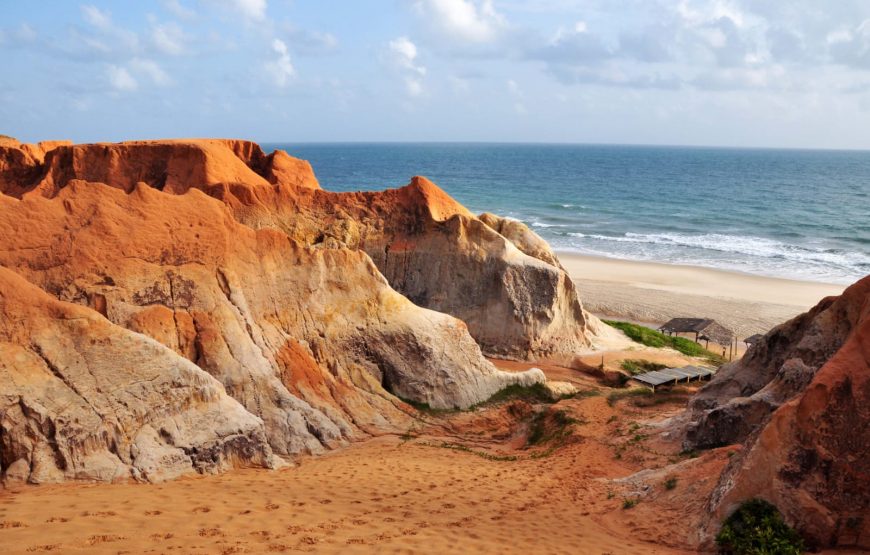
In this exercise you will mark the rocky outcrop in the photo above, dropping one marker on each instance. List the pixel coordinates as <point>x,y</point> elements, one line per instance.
<point>496,275</point>
<point>82,398</point>
<point>254,285</point>
<point>743,394</point>
<point>517,303</point>
<point>800,403</point>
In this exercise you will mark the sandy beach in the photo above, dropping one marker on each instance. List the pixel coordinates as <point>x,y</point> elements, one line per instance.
<point>653,293</point>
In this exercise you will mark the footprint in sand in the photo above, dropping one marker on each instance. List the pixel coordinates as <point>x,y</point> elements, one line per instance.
<point>277,548</point>
<point>294,529</point>
<point>57,519</point>
<point>272,507</point>
<point>202,509</point>
<point>153,513</point>
<point>210,532</point>
<point>11,524</point>
<point>103,538</point>
<point>164,536</point>
<point>49,547</point>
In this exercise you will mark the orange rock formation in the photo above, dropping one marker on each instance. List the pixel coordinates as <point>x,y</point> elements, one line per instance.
<point>227,279</point>
<point>799,402</point>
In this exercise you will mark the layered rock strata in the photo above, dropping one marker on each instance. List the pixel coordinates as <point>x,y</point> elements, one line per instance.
<point>280,306</point>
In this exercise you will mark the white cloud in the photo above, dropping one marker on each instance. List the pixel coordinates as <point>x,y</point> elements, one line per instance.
<point>96,17</point>
<point>150,69</point>
<point>120,79</point>
<point>414,86</point>
<point>20,36</point>
<point>403,56</point>
<point>168,38</point>
<point>281,70</point>
<point>254,10</point>
<point>179,10</point>
<point>307,41</point>
<point>473,21</point>
<point>838,36</point>
<point>106,37</point>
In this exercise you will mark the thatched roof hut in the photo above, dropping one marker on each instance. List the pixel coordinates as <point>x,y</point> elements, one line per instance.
<point>703,328</point>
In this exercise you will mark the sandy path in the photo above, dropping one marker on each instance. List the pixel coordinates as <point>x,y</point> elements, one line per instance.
<point>384,495</point>
<point>653,293</point>
<point>402,495</point>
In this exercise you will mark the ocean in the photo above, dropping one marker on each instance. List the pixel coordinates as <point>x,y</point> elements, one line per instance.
<point>799,214</point>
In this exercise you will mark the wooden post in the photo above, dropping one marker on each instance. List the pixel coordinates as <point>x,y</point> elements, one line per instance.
<point>731,350</point>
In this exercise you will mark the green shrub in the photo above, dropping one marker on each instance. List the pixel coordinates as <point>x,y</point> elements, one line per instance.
<point>535,393</point>
<point>629,503</point>
<point>757,528</point>
<point>553,426</point>
<point>635,366</point>
<point>653,338</point>
<point>671,483</point>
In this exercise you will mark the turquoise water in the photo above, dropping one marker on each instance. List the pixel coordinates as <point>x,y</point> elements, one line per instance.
<point>797,214</point>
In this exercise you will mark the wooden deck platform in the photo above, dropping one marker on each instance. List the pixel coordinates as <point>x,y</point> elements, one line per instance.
<point>670,376</point>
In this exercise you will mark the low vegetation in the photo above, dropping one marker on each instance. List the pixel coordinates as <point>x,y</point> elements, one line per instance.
<point>535,393</point>
<point>551,427</point>
<point>635,366</point>
<point>653,338</point>
<point>757,528</point>
<point>481,454</point>
<point>425,408</point>
<point>629,503</point>
<point>671,483</point>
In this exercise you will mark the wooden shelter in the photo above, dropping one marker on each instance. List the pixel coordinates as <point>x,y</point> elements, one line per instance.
<point>704,329</point>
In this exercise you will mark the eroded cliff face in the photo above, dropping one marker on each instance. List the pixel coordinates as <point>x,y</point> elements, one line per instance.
<point>82,398</point>
<point>264,298</point>
<point>800,403</point>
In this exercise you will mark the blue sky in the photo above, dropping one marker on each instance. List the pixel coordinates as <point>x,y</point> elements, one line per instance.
<point>783,73</point>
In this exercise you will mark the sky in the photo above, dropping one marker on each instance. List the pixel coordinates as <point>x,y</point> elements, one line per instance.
<point>766,73</point>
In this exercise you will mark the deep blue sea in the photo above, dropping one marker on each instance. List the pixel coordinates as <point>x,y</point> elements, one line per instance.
<point>798,214</point>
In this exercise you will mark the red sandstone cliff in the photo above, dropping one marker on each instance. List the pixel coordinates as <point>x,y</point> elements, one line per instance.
<point>799,402</point>
<point>235,266</point>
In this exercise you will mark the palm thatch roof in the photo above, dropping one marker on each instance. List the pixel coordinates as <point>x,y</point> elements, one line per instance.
<point>703,328</point>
